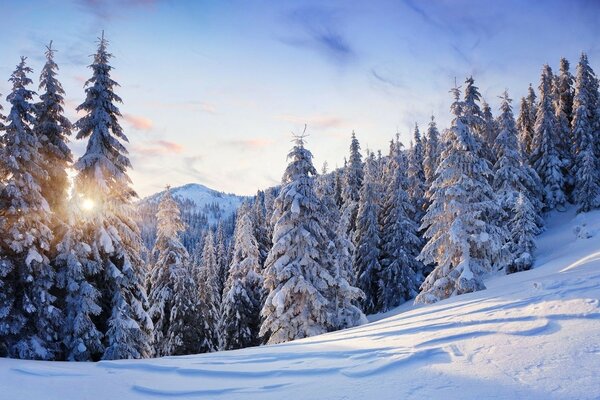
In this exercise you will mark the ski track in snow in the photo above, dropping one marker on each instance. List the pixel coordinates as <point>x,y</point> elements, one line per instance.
<point>533,335</point>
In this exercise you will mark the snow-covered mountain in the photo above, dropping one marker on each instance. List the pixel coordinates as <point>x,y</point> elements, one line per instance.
<point>530,335</point>
<point>201,207</point>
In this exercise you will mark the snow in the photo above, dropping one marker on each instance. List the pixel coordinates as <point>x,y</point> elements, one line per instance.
<point>533,334</point>
<point>203,196</point>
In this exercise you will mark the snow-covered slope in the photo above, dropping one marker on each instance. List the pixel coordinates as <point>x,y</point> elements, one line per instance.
<point>203,198</point>
<point>201,207</point>
<point>532,335</point>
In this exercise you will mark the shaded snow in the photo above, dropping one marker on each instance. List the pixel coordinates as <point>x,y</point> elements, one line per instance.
<point>533,335</point>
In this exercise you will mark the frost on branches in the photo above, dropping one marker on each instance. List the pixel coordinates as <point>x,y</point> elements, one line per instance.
<point>461,241</point>
<point>295,273</point>
<point>109,227</point>
<point>29,321</point>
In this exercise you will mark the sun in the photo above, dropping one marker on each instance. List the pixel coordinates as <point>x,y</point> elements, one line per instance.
<point>88,204</point>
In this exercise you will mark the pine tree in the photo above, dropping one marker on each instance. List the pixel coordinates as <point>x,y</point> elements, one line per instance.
<point>526,122</point>
<point>367,241</point>
<point>353,178</point>
<point>416,185</point>
<point>586,164</point>
<point>522,234</point>
<point>53,129</point>
<point>511,173</point>
<point>339,250</point>
<point>544,156</point>
<point>432,152</point>
<point>488,134</point>
<point>110,229</point>
<point>462,242</point>
<point>29,320</point>
<point>240,317</point>
<point>260,226</point>
<point>563,104</point>
<point>169,275</point>
<point>209,295</point>
<point>295,274</point>
<point>77,270</point>
<point>222,258</point>
<point>399,277</point>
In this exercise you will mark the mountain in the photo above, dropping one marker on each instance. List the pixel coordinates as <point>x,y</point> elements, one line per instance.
<point>201,207</point>
<point>529,335</point>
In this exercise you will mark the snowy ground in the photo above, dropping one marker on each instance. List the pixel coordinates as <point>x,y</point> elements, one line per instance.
<point>532,335</point>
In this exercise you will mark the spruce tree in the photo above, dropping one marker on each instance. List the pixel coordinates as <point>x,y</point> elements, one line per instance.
<point>102,184</point>
<point>563,104</point>
<point>77,272</point>
<point>296,275</point>
<point>526,122</point>
<point>545,158</point>
<point>416,184</point>
<point>53,129</point>
<point>240,316</point>
<point>585,169</point>
<point>489,132</point>
<point>399,276</point>
<point>29,320</point>
<point>222,258</point>
<point>511,173</point>
<point>353,178</point>
<point>169,275</point>
<point>462,241</point>
<point>367,241</point>
<point>522,233</point>
<point>432,151</point>
<point>207,277</point>
<point>339,249</point>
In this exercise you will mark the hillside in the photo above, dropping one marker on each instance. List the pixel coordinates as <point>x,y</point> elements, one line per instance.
<point>533,335</point>
<point>200,206</point>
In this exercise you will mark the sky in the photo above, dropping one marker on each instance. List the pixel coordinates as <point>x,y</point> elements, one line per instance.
<point>213,90</point>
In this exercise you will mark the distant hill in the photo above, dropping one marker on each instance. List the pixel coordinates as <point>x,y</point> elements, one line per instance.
<point>201,207</point>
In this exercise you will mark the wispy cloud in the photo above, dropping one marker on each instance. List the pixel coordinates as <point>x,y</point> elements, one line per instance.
<point>249,144</point>
<point>159,147</point>
<point>318,29</point>
<point>138,122</point>
<point>317,121</point>
<point>108,9</point>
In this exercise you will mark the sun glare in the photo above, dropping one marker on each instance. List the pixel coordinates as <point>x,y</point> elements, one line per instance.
<point>87,204</point>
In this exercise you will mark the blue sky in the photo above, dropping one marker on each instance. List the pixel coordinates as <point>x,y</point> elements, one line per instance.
<point>213,89</point>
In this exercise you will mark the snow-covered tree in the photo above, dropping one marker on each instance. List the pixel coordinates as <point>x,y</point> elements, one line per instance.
<point>432,151</point>
<point>170,274</point>
<point>586,164</point>
<point>489,131</point>
<point>545,158</point>
<point>109,227</point>
<point>512,175</point>
<point>462,241</point>
<point>353,178</point>
<point>209,297</point>
<point>563,104</point>
<point>522,233</point>
<point>222,257</point>
<point>295,274</point>
<point>53,129</point>
<point>29,320</point>
<point>240,312</point>
<point>367,240</point>
<point>261,231</point>
<point>339,249</point>
<point>416,184</point>
<point>399,276</point>
<point>77,271</point>
<point>526,122</point>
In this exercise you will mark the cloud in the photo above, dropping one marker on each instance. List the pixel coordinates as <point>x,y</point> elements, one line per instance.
<point>318,121</point>
<point>385,78</point>
<point>139,122</point>
<point>159,147</point>
<point>250,144</point>
<point>318,30</point>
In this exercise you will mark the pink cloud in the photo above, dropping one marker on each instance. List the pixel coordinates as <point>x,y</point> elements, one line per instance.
<point>159,147</point>
<point>139,122</point>
<point>318,121</point>
<point>253,144</point>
